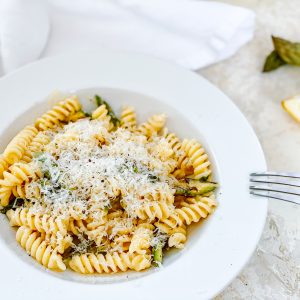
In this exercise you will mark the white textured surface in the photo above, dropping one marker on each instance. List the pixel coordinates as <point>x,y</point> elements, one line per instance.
<point>273,272</point>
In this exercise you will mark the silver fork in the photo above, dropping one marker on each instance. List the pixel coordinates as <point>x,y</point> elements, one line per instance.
<point>281,186</point>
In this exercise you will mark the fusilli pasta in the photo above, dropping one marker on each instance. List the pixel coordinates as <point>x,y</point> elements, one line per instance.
<point>59,113</point>
<point>153,125</point>
<point>128,118</point>
<point>198,157</point>
<point>109,263</point>
<point>35,245</point>
<point>101,194</point>
<point>18,145</point>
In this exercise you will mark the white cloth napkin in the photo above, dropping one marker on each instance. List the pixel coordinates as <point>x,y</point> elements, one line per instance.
<point>188,32</point>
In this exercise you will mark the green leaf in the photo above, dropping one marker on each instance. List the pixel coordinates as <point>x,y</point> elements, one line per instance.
<point>289,52</point>
<point>273,62</point>
<point>99,101</point>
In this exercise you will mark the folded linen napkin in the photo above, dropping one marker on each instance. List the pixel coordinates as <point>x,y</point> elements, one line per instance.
<point>188,32</point>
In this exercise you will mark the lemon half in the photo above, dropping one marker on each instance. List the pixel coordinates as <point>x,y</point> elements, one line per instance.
<point>292,106</point>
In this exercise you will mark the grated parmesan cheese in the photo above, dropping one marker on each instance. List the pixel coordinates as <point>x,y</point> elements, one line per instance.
<point>87,170</point>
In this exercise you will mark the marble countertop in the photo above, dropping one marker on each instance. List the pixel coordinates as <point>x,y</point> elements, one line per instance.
<point>274,270</point>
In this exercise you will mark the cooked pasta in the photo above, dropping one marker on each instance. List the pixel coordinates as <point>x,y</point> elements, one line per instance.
<point>38,222</point>
<point>198,157</point>
<point>109,263</point>
<point>153,125</point>
<point>18,145</point>
<point>3,165</point>
<point>192,210</point>
<point>5,195</point>
<point>58,114</point>
<point>35,245</point>
<point>99,194</point>
<point>37,144</point>
<point>128,118</point>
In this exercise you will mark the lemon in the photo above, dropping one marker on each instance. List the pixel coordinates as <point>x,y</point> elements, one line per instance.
<point>292,106</point>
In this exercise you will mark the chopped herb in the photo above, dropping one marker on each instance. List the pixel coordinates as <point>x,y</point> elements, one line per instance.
<point>72,188</point>
<point>88,115</point>
<point>43,182</point>
<point>123,204</point>
<point>101,249</point>
<point>18,202</point>
<point>37,154</point>
<point>153,178</point>
<point>106,208</point>
<point>182,192</point>
<point>47,174</point>
<point>135,169</point>
<point>197,189</point>
<point>157,254</point>
<point>204,177</point>
<point>114,119</point>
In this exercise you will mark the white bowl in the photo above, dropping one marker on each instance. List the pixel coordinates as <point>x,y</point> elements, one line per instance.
<point>218,248</point>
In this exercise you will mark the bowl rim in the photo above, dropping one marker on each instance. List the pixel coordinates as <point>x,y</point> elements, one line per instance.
<point>189,84</point>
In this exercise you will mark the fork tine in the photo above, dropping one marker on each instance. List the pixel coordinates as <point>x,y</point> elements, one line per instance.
<point>281,181</point>
<point>272,189</point>
<point>277,174</point>
<point>278,196</point>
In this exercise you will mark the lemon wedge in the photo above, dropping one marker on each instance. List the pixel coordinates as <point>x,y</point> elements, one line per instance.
<point>292,106</point>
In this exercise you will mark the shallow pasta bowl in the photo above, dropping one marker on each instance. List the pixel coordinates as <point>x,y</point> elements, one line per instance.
<point>218,248</point>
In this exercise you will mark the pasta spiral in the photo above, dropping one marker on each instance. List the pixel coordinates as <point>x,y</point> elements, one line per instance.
<point>154,210</point>
<point>77,227</point>
<point>18,145</point>
<point>39,222</point>
<point>101,114</point>
<point>35,245</point>
<point>177,239</point>
<point>26,190</point>
<point>59,113</point>
<point>3,166</point>
<point>109,263</point>
<point>5,195</point>
<point>192,210</point>
<point>58,241</point>
<point>172,140</point>
<point>198,157</point>
<point>177,235</point>
<point>121,243</point>
<point>19,191</point>
<point>161,196</point>
<point>37,144</point>
<point>76,116</point>
<point>153,125</point>
<point>183,162</point>
<point>128,118</point>
<point>19,173</point>
<point>141,239</point>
